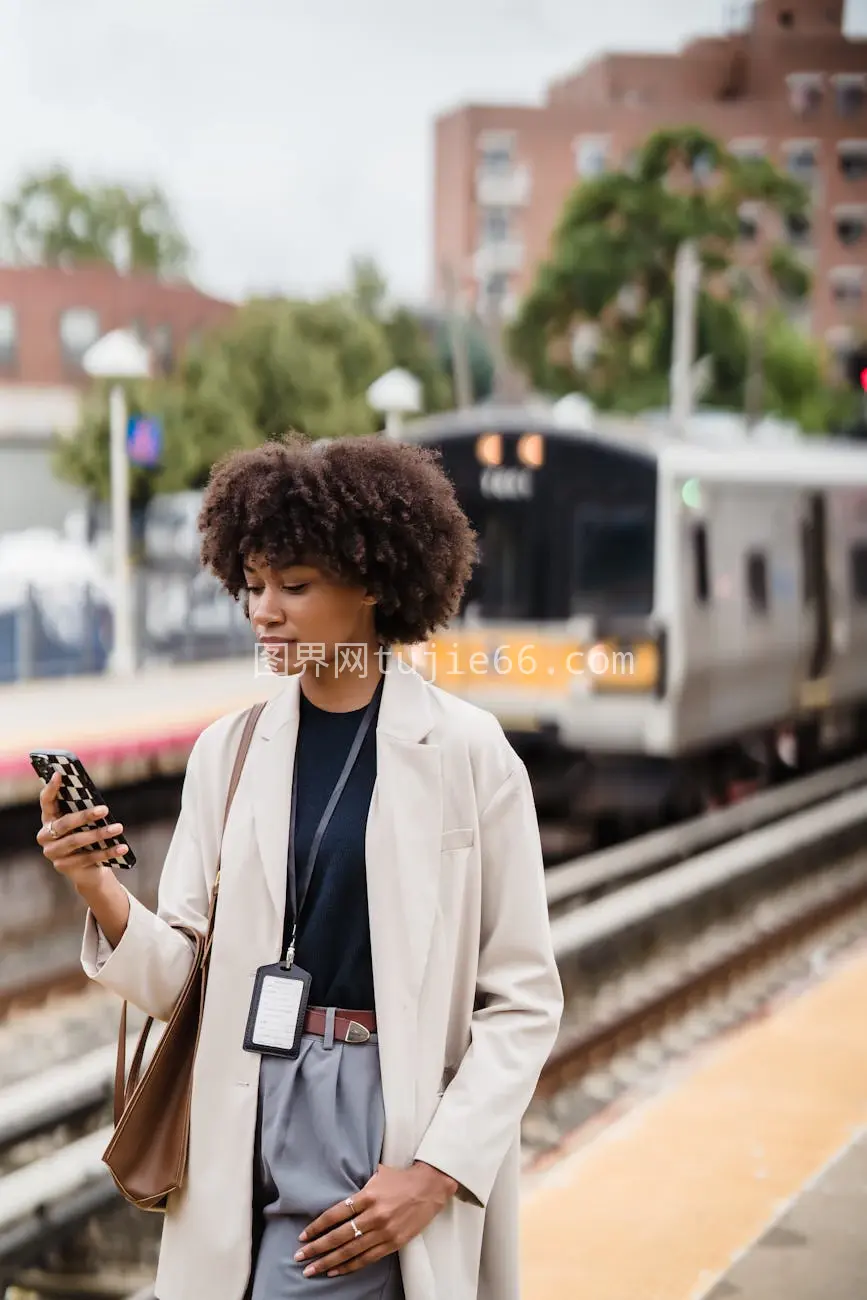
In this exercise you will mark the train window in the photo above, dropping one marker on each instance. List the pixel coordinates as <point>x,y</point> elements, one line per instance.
<point>702,575</point>
<point>506,565</point>
<point>858,571</point>
<point>613,554</point>
<point>757,581</point>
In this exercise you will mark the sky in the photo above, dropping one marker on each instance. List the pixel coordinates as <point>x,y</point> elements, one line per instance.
<point>291,137</point>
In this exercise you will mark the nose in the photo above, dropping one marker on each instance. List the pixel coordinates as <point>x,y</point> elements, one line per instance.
<point>267,610</point>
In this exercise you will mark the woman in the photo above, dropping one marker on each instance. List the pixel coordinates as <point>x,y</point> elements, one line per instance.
<point>383,1160</point>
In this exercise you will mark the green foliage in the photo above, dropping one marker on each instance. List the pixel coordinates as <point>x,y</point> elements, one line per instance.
<point>620,233</point>
<point>276,365</point>
<point>54,221</point>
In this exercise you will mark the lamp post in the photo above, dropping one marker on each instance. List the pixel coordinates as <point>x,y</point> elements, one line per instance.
<point>687,278</point>
<point>394,394</point>
<point>118,356</point>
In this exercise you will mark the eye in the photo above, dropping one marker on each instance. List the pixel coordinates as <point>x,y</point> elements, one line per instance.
<point>298,586</point>
<point>253,591</point>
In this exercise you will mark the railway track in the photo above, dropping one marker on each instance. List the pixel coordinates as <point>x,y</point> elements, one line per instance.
<point>646,934</point>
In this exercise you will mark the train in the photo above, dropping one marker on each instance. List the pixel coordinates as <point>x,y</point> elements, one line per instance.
<point>661,618</point>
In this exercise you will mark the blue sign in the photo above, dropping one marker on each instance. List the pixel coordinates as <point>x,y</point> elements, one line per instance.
<point>144,440</point>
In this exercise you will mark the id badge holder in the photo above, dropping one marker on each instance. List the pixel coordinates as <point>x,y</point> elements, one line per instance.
<point>277,1010</point>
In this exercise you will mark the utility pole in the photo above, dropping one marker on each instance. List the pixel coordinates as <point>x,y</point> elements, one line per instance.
<point>687,277</point>
<point>458,341</point>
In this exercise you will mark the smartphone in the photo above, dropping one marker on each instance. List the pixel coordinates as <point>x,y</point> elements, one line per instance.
<point>77,792</point>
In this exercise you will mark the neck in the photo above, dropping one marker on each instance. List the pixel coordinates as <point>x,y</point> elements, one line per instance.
<point>350,688</point>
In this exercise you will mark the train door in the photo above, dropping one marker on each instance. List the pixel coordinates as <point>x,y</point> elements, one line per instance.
<point>817,596</point>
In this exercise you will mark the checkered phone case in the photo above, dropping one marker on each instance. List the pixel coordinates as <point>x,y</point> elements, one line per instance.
<point>78,792</point>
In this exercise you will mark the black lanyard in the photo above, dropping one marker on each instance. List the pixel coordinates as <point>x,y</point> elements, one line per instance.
<point>351,760</point>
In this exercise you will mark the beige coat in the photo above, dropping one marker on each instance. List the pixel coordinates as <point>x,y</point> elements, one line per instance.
<point>468,997</point>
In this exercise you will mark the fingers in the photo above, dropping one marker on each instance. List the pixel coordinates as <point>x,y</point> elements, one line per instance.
<point>48,797</point>
<point>342,1254</point>
<point>70,822</point>
<point>77,840</point>
<point>75,862</point>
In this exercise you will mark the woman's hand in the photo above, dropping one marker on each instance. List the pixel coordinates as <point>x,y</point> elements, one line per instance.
<point>392,1208</point>
<point>59,843</point>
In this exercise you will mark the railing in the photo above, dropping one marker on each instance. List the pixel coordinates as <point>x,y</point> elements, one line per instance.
<point>177,620</point>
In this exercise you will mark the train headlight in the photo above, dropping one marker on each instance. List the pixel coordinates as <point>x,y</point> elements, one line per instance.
<point>489,449</point>
<point>531,450</point>
<point>626,668</point>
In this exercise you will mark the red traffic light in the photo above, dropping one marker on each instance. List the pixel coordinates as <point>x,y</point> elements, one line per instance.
<point>857,367</point>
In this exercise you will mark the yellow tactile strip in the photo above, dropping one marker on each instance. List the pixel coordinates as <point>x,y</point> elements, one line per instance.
<point>661,1202</point>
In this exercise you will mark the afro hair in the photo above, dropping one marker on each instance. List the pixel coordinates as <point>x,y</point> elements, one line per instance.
<point>373,512</point>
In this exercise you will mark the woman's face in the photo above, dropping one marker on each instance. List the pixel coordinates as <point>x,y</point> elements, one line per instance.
<point>304,615</point>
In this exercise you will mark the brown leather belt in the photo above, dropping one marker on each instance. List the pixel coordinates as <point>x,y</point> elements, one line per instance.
<point>349,1026</point>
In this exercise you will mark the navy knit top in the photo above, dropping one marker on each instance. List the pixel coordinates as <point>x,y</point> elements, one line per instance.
<point>333,941</point>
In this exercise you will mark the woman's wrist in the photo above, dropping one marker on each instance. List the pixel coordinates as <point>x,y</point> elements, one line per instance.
<point>108,901</point>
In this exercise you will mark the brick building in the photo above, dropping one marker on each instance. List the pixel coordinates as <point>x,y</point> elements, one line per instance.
<point>787,85</point>
<point>48,319</point>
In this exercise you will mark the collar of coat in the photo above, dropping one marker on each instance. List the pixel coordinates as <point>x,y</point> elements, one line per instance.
<point>404,713</point>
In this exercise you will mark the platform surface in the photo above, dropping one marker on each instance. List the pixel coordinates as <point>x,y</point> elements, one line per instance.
<point>818,1249</point>
<point>703,1189</point>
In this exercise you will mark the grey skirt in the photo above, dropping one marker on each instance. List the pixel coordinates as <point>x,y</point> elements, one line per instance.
<point>319,1139</point>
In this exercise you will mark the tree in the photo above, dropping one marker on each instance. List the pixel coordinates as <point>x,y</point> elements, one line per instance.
<point>612,263</point>
<point>409,342</point>
<point>54,221</point>
<point>368,287</point>
<point>276,365</point>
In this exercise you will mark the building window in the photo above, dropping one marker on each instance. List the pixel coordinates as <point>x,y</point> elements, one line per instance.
<point>858,572</point>
<point>853,159</point>
<point>850,224</point>
<point>161,342</point>
<point>79,330</point>
<point>496,288</point>
<point>8,336</point>
<point>805,92</point>
<point>749,147</point>
<point>748,222</point>
<point>591,155</point>
<point>847,285</point>
<point>802,160</point>
<point>757,581</point>
<point>799,229</point>
<point>840,341</point>
<point>494,225</point>
<point>850,90</point>
<point>496,151</point>
<point>701,569</point>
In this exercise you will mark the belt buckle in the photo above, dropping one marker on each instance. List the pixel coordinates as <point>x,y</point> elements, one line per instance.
<point>356,1033</point>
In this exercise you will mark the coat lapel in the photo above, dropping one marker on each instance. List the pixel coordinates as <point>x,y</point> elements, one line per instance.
<point>404,835</point>
<point>271,760</point>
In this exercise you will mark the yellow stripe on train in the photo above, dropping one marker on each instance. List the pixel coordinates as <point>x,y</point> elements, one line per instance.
<point>484,662</point>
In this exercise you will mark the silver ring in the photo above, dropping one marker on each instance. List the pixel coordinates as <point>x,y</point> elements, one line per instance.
<point>51,831</point>
<point>351,1205</point>
<point>356,1229</point>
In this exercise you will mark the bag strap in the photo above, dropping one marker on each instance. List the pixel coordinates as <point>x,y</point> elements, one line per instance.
<point>123,1087</point>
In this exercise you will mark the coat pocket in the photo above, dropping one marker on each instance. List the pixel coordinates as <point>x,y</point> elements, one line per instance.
<point>459,839</point>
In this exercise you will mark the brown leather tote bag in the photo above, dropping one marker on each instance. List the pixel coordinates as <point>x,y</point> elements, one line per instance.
<point>147,1154</point>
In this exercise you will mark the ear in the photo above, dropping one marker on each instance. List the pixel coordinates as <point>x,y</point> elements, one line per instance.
<point>368,600</point>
